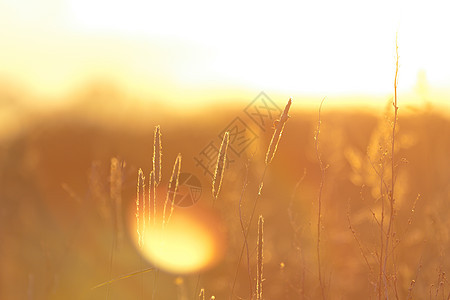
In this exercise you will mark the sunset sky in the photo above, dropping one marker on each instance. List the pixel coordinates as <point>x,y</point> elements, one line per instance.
<point>197,51</point>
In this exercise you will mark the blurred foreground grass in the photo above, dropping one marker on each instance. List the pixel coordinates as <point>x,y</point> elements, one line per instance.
<point>56,229</point>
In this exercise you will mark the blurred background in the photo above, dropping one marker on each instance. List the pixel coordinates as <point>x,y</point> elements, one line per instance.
<point>85,82</point>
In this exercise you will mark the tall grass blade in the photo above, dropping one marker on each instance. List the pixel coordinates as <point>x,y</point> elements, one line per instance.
<point>259,258</point>
<point>172,190</point>
<point>152,197</point>
<point>157,154</point>
<point>220,165</point>
<point>140,207</point>
<point>277,133</point>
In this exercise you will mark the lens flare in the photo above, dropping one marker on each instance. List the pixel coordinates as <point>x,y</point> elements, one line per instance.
<point>193,240</point>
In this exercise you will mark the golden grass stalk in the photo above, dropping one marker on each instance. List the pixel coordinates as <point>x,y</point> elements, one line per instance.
<point>220,165</point>
<point>259,258</point>
<point>140,206</point>
<point>202,294</point>
<point>157,154</point>
<point>152,197</point>
<point>319,199</point>
<point>279,126</point>
<point>219,171</point>
<point>122,277</point>
<point>172,190</point>
<point>391,197</point>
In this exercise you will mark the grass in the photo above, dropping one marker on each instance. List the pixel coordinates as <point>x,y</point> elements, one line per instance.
<point>361,232</point>
<point>220,166</point>
<point>319,201</point>
<point>260,260</point>
<point>172,190</point>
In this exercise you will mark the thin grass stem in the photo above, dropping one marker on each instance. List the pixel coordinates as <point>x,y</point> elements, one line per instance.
<point>319,200</point>
<point>172,190</point>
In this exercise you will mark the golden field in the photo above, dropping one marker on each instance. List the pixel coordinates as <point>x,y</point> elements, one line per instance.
<point>62,235</point>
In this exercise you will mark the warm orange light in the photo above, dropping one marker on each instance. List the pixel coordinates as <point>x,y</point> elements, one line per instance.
<point>194,53</point>
<point>192,240</point>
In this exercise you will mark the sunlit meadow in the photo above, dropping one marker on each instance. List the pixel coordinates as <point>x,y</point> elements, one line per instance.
<point>190,150</point>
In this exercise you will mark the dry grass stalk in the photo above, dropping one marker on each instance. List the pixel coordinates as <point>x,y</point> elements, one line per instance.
<point>279,126</point>
<point>220,166</point>
<point>361,250</point>
<point>241,221</point>
<point>319,198</point>
<point>218,173</point>
<point>261,185</point>
<point>381,279</point>
<point>172,190</point>
<point>260,257</point>
<point>202,294</point>
<point>391,196</point>
<point>157,154</point>
<point>152,197</point>
<point>122,277</point>
<point>140,206</point>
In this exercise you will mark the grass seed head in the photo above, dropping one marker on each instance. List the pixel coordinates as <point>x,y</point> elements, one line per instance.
<point>202,294</point>
<point>220,165</point>
<point>152,196</point>
<point>157,154</point>
<point>279,126</point>
<point>140,206</point>
<point>172,190</point>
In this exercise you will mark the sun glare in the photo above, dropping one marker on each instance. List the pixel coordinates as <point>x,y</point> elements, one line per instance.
<point>283,149</point>
<point>179,51</point>
<point>192,241</point>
